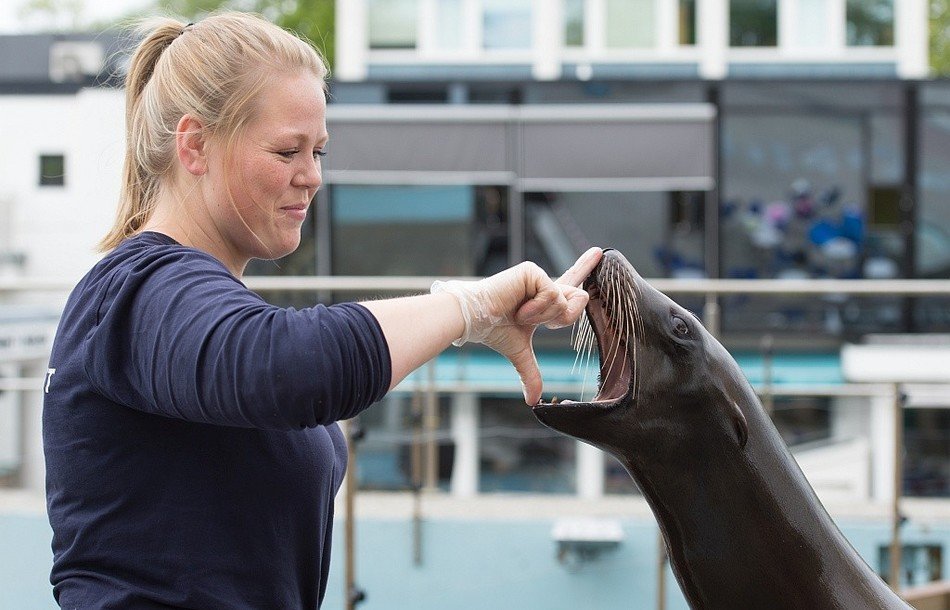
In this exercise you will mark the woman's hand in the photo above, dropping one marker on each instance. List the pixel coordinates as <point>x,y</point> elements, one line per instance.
<point>503,311</point>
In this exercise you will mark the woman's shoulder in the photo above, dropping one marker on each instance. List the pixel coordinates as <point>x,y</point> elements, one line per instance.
<point>150,252</point>
<point>155,262</point>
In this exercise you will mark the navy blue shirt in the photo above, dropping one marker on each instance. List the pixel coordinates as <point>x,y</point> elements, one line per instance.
<point>189,428</point>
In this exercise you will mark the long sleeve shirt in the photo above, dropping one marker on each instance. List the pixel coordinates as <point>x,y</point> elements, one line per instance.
<point>190,434</point>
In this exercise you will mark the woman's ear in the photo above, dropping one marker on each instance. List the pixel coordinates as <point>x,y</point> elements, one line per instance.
<point>191,145</point>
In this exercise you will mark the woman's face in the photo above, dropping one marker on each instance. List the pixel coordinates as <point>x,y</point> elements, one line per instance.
<point>259,195</point>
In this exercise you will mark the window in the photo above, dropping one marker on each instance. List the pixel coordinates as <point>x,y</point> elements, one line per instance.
<point>573,23</point>
<point>687,22</point>
<point>392,24</point>
<point>516,454</point>
<point>450,25</point>
<point>393,455</point>
<point>870,23</point>
<point>926,467</point>
<point>817,197</point>
<point>800,419</point>
<point>506,24</point>
<point>753,23</point>
<point>302,261</point>
<point>616,478</point>
<point>932,231</point>
<point>52,170</point>
<point>419,230</point>
<point>660,233</point>
<point>920,563</point>
<point>631,24</point>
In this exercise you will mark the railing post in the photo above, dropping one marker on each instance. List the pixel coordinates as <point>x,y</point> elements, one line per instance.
<point>711,314</point>
<point>896,518</point>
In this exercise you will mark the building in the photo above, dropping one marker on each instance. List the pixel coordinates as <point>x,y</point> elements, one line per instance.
<point>705,139</point>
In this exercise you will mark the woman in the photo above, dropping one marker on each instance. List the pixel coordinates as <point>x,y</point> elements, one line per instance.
<point>189,427</point>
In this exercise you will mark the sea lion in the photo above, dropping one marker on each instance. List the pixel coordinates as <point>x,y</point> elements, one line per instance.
<point>742,526</point>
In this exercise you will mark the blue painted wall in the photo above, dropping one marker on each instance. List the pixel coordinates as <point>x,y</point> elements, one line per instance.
<point>469,564</point>
<point>25,560</point>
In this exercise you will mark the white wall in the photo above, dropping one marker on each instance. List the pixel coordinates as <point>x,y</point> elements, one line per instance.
<point>58,227</point>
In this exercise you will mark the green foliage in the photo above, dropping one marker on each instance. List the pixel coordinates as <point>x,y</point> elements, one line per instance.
<point>940,37</point>
<point>55,15</point>
<point>312,19</point>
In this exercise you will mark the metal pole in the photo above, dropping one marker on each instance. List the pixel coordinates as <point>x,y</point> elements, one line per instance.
<point>416,476</point>
<point>349,532</point>
<point>909,193</point>
<point>896,518</point>
<point>711,314</point>
<point>431,428</point>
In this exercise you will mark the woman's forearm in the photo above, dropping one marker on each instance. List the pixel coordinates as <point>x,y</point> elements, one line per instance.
<point>417,329</point>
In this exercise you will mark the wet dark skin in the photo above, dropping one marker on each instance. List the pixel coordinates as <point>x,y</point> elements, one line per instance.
<point>743,528</point>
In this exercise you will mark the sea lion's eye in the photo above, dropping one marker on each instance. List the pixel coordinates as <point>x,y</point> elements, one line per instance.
<point>680,326</point>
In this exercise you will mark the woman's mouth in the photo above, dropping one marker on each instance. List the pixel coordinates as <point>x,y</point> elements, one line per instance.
<point>296,212</point>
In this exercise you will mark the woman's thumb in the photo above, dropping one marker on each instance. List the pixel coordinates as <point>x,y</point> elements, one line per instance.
<point>526,364</point>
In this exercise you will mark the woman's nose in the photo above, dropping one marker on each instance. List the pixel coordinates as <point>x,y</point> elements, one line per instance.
<point>310,175</point>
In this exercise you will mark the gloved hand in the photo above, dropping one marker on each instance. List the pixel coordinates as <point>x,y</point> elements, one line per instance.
<point>503,311</point>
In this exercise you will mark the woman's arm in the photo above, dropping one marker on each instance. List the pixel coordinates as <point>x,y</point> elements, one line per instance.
<point>501,311</point>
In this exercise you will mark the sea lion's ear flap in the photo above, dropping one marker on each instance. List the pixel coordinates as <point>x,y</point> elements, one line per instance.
<point>738,421</point>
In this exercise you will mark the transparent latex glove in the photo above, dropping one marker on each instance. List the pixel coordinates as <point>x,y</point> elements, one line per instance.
<point>503,311</point>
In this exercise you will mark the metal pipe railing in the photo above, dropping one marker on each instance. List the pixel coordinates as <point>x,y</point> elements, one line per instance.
<point>376,283</point>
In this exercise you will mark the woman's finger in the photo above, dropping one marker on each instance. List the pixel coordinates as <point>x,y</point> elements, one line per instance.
<point>576,300</point>
<point>583,267</point>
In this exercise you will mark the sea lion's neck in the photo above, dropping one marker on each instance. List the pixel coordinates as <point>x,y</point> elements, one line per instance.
<point>749,517</point>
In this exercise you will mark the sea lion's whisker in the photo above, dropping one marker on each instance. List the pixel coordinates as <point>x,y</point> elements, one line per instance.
<point>590,340</point>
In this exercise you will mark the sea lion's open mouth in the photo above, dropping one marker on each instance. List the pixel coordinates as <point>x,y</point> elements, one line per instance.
<point>610,321</point>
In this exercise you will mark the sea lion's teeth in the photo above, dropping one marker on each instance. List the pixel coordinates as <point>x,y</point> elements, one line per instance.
<point>567,402</point>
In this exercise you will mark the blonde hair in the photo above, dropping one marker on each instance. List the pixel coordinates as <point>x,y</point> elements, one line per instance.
<point>212,70</point>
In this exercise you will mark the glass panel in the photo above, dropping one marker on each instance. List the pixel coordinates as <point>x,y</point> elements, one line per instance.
<point>870,23</point>
<point>419,230</point>
<point>920,563</point>
<point>753,23</point>
<point>793,202</point>
<point>392,455</point>
<point>392,24</point>
<point>506,24</point>
<point>812,193</point>
<point>812,24</point>
<point>302,261</point>
<point>52,170</point>
<point>933,215</point>
<point>687,22</point>
<point>616,478</point>
<point>573,23</point>
<point>10,429</point>
<point>887,148</point>
<point>660,233</point>
<point>450,25</point>
<point>631,23</point>
<point>800,420</point>
<point>517,454</point>
<point>926,461</point>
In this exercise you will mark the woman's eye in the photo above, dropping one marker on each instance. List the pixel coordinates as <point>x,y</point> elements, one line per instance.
<point>319,153</point>
<point>680,326</point>
<point>287,154</point>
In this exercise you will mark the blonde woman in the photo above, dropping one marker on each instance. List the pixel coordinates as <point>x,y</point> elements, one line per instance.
<point>190,427</point>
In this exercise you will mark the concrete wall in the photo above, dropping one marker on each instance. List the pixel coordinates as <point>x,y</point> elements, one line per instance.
<point>495,554</point>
